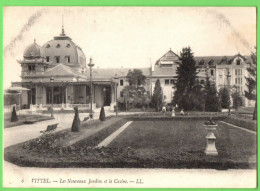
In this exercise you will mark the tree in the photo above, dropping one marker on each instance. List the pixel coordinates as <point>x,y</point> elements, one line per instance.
<point>14,115</point>
<point>102,116</point>
<point>76,121</point>
<point>251,82</point>
<point>135,77</point>
<point>135,94</point>
<point>198,98</point>
<point>237,100</point>
<point>186,80</point>
<point>224,97</point>
<point>157,98</point>
<point>212,101</point>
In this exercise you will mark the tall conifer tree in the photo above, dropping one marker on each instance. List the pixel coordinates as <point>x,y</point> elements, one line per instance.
<point>186,78</point>
<point>157,98</point>
<point>212,101</point>
<point>251,82</point>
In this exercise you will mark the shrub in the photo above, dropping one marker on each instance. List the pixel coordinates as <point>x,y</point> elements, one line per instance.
<point>14,115</point>
<point>225,97</point>
<point>76,121</point>
<point>102,116</point>
<point>237,100</point>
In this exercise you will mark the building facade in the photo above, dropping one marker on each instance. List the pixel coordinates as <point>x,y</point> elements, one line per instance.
<point>57,73</point>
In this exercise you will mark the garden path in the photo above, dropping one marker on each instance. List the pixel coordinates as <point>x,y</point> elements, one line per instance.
<point>24,133</point>
<point>111,137</point>
<point>244,129</point>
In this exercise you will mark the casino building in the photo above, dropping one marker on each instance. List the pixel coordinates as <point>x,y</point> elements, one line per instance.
<point>59,66</point>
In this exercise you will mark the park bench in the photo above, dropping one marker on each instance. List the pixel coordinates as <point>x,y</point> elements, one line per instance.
<point>50,128</point>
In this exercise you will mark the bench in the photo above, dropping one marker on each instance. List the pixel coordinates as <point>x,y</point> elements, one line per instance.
<point>30,121</point>
<point>50,128</point>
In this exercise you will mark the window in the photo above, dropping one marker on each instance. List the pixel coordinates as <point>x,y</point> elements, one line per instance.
<point>57,59</point>
<point>58,46</point>
<point>238,80</point>
<point>220,76</point>
<point>31,67</point>
<point>121,94</point>
<point>238,61</point>
<point>67,58</point>
<point>121,82</point>
<point>47,58</point>
<point>68,45</point>
<point>167,81</point>
<point>212,72</point>
<point>238,72</point>
<point>172,81</point>
<point>48,46</point>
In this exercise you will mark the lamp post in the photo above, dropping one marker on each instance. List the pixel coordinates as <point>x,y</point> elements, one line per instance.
<point>52,80</point>
<point>228,80</point>
<point>31,93</point>
<point>90,66</point>
<point>116,83</point>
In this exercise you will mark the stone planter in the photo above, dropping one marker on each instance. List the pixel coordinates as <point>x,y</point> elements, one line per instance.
<point>211,140</point>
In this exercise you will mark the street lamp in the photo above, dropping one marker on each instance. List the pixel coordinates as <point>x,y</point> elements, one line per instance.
<point>228,79</point>
<point>31,93</point>
<point>52,80</point>
<point>116,83</point>
<point>90,66</point>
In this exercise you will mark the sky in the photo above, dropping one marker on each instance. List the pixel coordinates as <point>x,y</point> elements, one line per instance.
<point>129,36</point>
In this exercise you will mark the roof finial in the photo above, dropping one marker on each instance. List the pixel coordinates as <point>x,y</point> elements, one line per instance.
<point>62,31</point>
<point>34,40</point>
<point>170,49</point>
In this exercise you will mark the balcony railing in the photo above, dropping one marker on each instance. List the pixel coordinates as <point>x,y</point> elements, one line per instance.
<point>32,73</point>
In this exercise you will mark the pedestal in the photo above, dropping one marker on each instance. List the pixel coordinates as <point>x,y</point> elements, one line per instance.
<point>211,140</point>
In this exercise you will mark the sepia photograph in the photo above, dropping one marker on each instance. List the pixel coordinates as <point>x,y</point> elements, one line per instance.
<point>129,97</point>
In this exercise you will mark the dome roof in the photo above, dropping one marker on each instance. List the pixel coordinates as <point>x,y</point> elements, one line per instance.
<point>63,47</point>
<point>33,51</point>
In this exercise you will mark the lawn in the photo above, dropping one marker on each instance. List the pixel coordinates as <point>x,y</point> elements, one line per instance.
<point>168,143</point>
<point>185,141</point>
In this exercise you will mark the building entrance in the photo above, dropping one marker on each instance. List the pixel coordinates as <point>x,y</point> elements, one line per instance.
<point>107,96</point>
<point>58,95</point>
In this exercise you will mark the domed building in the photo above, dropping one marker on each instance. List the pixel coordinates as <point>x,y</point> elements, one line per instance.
<point>63,50</point>
<point>57,73</point>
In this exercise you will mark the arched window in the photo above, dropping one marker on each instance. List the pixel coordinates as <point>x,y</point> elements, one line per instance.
<point>58,46</point>
<point>48,46</point>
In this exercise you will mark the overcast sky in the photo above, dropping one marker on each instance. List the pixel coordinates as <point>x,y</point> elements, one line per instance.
<point>129,36</point>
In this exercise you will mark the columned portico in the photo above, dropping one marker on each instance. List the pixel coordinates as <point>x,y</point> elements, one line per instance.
<point>67,94</point>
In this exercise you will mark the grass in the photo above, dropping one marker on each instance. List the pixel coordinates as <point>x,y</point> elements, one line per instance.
<point>185,141</point>
<point>146,144</point>
<point>244,123</point>
<point>22,119</point>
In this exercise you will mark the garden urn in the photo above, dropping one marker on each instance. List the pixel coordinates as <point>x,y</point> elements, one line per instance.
<point>211,139</point>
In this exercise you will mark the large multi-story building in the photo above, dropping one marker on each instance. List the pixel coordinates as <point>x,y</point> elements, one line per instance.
<point>59,66</point>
